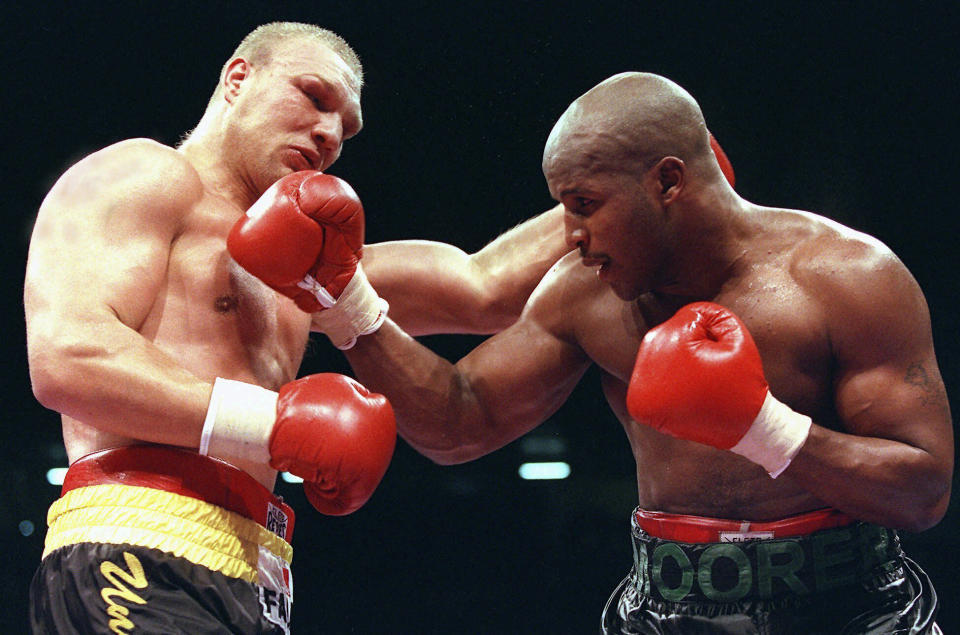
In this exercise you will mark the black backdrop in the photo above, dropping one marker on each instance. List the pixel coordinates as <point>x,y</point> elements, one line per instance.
<point>847,109</point>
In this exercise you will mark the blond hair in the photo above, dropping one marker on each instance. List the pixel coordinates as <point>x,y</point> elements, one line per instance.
<point>260,45</point>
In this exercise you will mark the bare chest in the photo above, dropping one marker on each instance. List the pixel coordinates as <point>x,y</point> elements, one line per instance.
<point>788,326</point>
<point>217,319</point>
<point>685,477</point>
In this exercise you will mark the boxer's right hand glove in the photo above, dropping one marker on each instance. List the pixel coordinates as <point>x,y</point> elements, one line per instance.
<point>327,429</point>
<point>698,376</point>
<point>304,238</point>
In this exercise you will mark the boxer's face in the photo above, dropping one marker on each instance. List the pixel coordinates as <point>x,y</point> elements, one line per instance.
<point>612,214</point>
<point>294,113</point>
<point>616,226</point>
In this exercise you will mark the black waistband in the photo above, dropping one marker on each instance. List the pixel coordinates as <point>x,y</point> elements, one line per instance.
<point>762,569</point>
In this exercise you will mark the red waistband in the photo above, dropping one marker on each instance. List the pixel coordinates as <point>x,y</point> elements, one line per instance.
<point>186,473</point>
<point>682,528</point>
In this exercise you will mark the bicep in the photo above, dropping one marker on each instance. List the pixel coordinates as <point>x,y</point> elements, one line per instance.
<point>901,399</point>
<point>78,271</point>
<point>97,252</point>
<point>888,383</point>
<point>522,375</point>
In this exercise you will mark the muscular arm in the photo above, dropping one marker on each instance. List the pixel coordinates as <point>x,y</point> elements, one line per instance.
<point>97,263</point>
<point>893,463</point>
<point>511,383</point>
<point>437,288</point>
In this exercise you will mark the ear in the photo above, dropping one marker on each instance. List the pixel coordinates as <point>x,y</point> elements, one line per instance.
<point>671,174</point>
<point>237,70</point>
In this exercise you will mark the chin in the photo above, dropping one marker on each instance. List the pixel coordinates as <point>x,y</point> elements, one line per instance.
<point>279,173</point>
<point>627,294</point>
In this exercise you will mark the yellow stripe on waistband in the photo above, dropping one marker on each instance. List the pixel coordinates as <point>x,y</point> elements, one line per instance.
<point>182,526</point>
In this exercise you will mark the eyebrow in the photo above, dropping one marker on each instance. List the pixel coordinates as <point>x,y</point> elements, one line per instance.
<point>575,191</point>
<point>335,87</point>
<point>355,120</point>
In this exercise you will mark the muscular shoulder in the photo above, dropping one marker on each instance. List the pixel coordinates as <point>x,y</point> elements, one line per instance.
<point>865,290</point>
<point>569,298</point>
<point>836,258</point>
<point>139,175</point>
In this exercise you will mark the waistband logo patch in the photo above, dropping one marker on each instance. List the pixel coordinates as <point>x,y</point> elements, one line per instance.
<point>276,589</point>
<point>276,520</point>
<point>744,536</point>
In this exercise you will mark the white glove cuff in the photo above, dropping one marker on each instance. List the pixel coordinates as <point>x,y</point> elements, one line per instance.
<point>358,311</point>
<point>239,422</point>
<point>775,436</point>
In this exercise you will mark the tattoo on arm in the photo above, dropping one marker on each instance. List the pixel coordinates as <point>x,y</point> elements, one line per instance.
<point>931,388</point>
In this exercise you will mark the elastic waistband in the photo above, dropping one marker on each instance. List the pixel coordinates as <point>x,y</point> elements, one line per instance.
<point>185,473</point>
<point>184,527</point>
<point>748,568</point>
<point>699,529</point>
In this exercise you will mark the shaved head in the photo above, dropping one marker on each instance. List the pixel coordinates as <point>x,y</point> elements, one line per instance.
<point>627,123</point>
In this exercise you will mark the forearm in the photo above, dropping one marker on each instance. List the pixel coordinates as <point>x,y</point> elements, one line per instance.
<point>117,382</point>
<point>437,412</point>
<point>434,287</point>
<point>518,259</point>
<point>878,480</point>
<point>431,287</point>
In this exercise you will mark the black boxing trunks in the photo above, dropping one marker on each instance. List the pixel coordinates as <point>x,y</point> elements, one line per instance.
<point>820,572</point>
<point>150,539</point>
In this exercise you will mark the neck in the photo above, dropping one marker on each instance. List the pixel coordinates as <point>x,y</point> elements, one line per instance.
<point>710,245</point>
<point>205,148</point>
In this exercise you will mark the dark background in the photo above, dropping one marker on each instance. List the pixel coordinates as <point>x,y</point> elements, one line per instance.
<point>847,109</point>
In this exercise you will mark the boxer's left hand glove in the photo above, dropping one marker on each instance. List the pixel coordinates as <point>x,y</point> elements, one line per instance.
<point>698,376</point>
<point>326,428</point>
<point>725,166</point>
<point>304,238</point>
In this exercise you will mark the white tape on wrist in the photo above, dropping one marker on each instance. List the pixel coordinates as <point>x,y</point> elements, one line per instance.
<point>358,311</point>
<point>775,436</point>
<point>239,422</point>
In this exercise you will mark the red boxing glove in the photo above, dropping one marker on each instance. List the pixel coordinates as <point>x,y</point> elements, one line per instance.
<point>303,237</point>
<point>326,428</point>
<point>698,376</point>
<point>725,166</point>
<point>336,435</point>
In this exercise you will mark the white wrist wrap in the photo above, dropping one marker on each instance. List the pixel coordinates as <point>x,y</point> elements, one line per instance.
<point>358,311</point>
<point>239,422</point>
<point>774,437</point>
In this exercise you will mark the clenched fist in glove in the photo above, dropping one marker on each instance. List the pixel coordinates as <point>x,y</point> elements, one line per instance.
<point>327,429</point>
<point>304,238</point>
<point>698,376</point>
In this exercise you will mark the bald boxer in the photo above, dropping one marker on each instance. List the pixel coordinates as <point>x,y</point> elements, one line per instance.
<point>175,371</point>
<point>785,409</point>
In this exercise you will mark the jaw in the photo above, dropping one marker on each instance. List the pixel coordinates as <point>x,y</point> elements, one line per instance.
<point>627,288</point>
